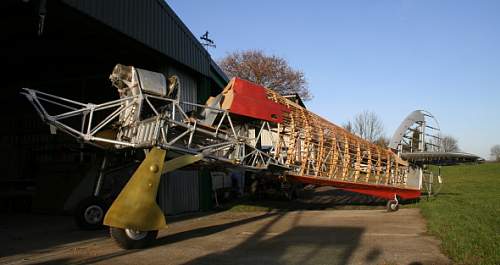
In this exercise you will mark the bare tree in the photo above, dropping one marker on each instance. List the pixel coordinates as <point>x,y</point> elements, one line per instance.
<point>382,141</point>
<point>348,126</point>
<point>495,152</point>
<point>449,143</point>
<point>368,126</point>
<point>269,71</point>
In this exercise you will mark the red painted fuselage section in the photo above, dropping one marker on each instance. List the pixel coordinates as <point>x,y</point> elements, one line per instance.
<point>380,191</point>
<point>250,100</point>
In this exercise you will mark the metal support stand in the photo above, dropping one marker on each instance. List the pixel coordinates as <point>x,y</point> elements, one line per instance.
<point>100,178</point>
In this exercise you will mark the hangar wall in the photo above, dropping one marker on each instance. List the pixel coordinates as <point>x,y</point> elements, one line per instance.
<point>73,56</point>
<point>179,190</point>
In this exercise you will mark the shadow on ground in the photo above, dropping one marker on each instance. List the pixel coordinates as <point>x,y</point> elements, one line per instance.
<point>21,233</point>
<point>306,244</point>
<point>297,245</point>
<point>24,232</point>
<point>317,198</point>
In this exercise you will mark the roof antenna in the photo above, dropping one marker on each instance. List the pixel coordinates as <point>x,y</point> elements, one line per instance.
<point>207,41</point>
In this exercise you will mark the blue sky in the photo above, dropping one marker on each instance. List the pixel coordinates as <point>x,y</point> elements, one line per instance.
<point>389,57</point>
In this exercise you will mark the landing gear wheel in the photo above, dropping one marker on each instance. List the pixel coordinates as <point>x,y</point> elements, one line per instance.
<point>89,213</point>
<point>130,239</point>
<point>392,205</point>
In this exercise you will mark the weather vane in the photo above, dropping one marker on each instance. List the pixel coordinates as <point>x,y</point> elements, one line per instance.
<point>206,41</point>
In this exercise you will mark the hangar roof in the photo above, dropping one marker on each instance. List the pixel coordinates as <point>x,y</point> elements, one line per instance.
<point>155,24</point>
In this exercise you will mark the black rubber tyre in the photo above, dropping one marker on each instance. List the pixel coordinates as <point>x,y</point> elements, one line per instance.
<point>89,213</point>
<point>392,206</point>
<point>130,239</point>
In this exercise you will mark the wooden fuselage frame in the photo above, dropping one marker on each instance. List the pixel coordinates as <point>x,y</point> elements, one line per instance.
<point>319,151</point>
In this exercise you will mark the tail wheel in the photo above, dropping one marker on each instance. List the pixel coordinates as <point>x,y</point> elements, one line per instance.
<point>130,239</point>
<point>392,205</point>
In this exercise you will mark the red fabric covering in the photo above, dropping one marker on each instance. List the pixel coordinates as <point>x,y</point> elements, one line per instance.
<point>250,100</point>
<point>380,191</point>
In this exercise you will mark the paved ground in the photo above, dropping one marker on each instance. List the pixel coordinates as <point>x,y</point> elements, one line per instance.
<point>297,237</point>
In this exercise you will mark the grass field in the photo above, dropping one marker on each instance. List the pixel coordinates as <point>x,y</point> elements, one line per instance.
<point>466,214</point>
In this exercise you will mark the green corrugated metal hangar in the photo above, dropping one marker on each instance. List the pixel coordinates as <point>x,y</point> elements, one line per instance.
<point>69,47</point>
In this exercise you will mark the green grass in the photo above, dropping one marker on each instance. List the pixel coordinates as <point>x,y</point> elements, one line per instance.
<point>466,214</point>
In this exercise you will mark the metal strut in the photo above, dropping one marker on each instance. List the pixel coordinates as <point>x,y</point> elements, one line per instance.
<point>135,207</point>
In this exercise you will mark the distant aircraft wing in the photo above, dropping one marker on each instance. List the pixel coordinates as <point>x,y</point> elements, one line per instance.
<point>440,158</point>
